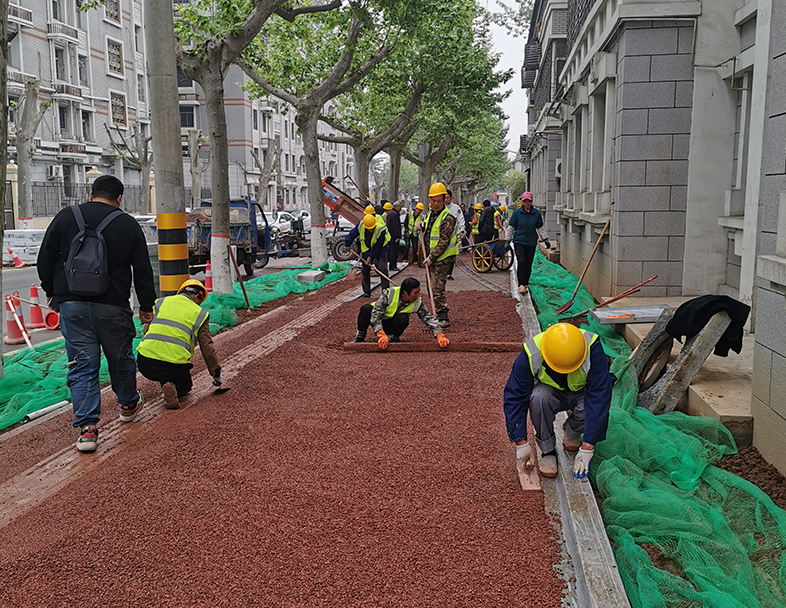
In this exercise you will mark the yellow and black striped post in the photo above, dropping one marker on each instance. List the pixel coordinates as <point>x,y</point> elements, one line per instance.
<point>172,252</point>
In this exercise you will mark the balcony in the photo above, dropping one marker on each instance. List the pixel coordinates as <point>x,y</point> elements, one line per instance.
<point>18,14</point>
<point>17,80</point>
<point>63,90</point>
<point>56,29</point>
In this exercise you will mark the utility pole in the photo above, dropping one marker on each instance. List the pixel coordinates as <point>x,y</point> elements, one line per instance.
<point>167,146</point>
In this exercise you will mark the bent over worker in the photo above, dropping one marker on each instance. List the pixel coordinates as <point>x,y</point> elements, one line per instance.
<point>389,316</point>
<point>374,238</point>
<point>164,354</point>
<point>563,368</point>
<point>439,238</point>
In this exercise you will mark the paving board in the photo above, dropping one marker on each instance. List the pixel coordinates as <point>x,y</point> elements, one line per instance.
<point>641,314</point>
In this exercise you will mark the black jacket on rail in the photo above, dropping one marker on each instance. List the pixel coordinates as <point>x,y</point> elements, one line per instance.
<point>693,315</point>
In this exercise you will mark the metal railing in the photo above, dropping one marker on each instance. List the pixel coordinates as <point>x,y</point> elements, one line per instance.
<point>62,29</point>
<point>49,198</point>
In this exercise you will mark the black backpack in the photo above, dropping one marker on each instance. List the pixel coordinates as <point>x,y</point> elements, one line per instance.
<point>86,267</point>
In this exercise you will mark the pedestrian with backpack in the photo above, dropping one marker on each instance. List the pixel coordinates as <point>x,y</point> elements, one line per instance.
<point>85,265</point>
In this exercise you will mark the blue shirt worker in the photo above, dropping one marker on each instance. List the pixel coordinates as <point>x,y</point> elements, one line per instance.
<point>374,241</point>
<point>164,354</point>
<point>525,226</point>
<point>389,316</point>
<point>563,368</point>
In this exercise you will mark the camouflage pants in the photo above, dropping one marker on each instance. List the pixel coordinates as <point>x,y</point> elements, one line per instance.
<point>439,276</point>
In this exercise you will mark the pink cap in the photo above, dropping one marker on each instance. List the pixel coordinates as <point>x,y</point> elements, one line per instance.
<point>526,196</point>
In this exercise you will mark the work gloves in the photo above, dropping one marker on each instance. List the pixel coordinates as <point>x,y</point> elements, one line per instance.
<point>382,340</point>
<point>547,244</point>
<point>442,340</point>
<point>524,455</point>
<point>217,381</point>
<point>427,261</point>
<point>581,465</point>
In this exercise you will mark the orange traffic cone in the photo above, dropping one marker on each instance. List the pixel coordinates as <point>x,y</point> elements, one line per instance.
<point>36,314</point>
<point>18,307</point>
<point>52,320</point>
<point>208,278</point>
<point>12,329</point>
<point>17,262</point>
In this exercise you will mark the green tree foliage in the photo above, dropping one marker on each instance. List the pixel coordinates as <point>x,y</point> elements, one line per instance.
<point>516,183</point>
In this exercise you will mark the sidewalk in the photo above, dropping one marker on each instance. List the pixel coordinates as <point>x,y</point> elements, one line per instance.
<point>321,478</point>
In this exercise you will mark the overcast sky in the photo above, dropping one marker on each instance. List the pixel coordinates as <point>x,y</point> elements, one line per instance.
<point>514,106</point>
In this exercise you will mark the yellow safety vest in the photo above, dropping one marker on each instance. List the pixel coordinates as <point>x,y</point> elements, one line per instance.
<point>378,229</point>
<point>172,334</point>
<point>476,224</point>
<point>577,379</point>
<point>411,220</point>
<point>394,294</point>
<point>452,248</point>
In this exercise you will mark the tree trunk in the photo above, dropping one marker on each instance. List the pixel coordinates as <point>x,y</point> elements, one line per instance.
<point>144,201</point>
<point>395,171</point>
<point>362,163</point>
<point>307,123</point>
<point>196,183</point>
<point>213,87</point>
<point>25,149</point>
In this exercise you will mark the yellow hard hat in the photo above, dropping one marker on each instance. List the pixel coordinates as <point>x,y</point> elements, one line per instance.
<point>387,206</point>
<point>437,189</point>
<point>563,348</point>
<point>419,206</point>
<point>478,207</point>
<point>369,210</point>
<point>369,221</point>
<point>194,286</point>
<point>502,208</point>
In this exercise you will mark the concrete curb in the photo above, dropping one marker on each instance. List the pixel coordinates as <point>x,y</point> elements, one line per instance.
<point>587,567</point>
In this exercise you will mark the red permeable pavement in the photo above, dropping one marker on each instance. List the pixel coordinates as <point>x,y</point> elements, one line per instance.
<point>322,479</point>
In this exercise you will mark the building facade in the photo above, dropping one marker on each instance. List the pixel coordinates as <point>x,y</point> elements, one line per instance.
<point>91,65</point>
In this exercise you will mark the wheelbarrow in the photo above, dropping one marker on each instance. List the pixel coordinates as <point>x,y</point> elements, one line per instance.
<point>497,254</point>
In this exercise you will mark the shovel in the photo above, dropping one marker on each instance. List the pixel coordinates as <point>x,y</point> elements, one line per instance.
<point>569,303</point>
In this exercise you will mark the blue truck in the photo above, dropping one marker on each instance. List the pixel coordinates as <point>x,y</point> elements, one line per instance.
<point>249,232</point>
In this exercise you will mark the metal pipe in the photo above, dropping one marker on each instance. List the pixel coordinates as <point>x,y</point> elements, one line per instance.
<point>44,411</point>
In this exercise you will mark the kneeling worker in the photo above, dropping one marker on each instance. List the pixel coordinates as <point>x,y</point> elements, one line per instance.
<point>564,368</point>
<point>164,354</point>
<point>389,316</point>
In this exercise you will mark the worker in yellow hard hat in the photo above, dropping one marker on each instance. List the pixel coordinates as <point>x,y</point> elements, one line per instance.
<point>164,354</point>
<point>561,369</point>
<point>387,205</point>
<point>374,243</point>
<point>411,235</point>
<point>441,246</point>
<point>369,210</point>
<point>476,222</point>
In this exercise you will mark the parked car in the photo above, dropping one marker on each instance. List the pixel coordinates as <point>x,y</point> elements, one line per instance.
<point>281,220</point>
<point>305,216</point>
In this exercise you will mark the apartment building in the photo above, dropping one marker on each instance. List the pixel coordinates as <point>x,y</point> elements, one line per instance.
<point>253,125</point>
<point>91,65</point>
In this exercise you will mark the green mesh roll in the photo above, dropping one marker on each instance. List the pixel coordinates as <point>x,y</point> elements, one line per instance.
<point>35,379</point>
<point>718,540</point>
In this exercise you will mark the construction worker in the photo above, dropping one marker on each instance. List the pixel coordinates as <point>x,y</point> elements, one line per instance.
<point>441,246</point>
<point>374,240</point>
<point>165,352</point>
<point>412,235</point>
<point>389,316</point>
<point>459,230</point>
<point>393,224</point>
<point>486,223</point>
<point>468,215</point>
<point>563,368</point>
<point>476,222</point>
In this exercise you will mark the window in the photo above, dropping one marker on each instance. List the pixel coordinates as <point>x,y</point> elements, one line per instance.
<point>81,18</point>
<point>12,102</point>
<point>60,64</point>
<point>112,10</point>
<point>62,112</point>
<point>182,79</point>
<point>138,39</point>
<point>292,128</point>
<point>255,119</point>
<point>87,126</point>
<point>56,10</point>
<point>82,69</point>
<point>114,57</point>
<point>264,122</point>
<point>117,102</point>
<point>286,162</point>
<point>140,88</point>
<point>256,156</point>
<point>14,48</point>
<point>187,117</point>
<point>286,128</point>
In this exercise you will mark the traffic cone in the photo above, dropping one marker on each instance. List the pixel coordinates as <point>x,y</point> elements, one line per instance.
<point>12,329</point>
<point>36,314</point>
<point>17,262</point>
<point>18,307</point>
<point>52,320</point>
<point>208,278</point>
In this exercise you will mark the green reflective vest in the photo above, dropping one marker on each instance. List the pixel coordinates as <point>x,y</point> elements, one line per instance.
<point>476,224</point>
<point>411,220</point>
<point>378,230</point>
<point>452,248</point>
<point>172,334</point>
<point>394,295</point>
<point>577,379</point>
<point>497,220</point>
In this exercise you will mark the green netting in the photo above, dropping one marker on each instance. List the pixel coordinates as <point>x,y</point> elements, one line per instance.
<point>35,379</point>
<point>716,540</point>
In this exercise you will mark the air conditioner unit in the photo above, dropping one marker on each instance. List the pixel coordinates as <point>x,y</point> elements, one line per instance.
<point>54,172</point>
<point>558,168</point>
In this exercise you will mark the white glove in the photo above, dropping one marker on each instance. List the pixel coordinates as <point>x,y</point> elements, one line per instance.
<point>524,455</point>
<point>582,463</point>
<point>427,261</point>
<point>509,233</point>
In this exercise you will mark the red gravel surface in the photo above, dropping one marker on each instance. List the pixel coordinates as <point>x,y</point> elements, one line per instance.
<point>325,479</point>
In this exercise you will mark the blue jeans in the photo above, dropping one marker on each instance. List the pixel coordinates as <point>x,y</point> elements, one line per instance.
<point>87,328</point>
